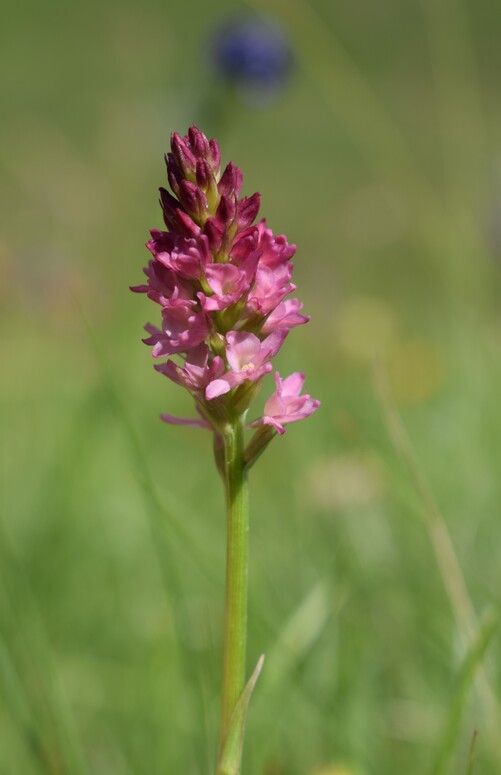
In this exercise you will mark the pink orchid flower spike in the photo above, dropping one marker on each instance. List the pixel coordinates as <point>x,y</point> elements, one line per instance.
<point>222,283</point>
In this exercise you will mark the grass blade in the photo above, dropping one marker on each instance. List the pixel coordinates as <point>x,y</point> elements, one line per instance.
<point>471,755</point>
<point>459,699</point>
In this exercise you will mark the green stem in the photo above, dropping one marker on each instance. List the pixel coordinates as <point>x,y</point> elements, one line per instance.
<point>237,561</point>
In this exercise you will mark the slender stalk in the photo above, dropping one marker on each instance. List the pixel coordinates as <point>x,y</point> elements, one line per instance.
<point>237,561</point>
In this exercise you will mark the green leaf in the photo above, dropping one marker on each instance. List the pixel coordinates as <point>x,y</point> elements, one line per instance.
<point>473,659</point>
<point>231,752</point>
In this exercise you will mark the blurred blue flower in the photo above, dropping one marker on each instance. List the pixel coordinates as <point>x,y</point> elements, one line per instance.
<point>254,55</point>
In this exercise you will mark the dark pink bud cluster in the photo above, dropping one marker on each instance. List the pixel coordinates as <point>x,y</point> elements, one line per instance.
<point>222,284</point>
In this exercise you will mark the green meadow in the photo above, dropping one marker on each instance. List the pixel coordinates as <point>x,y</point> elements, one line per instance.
<point>376,524</point>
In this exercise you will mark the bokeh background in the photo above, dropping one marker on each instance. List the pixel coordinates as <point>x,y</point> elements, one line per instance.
<point>375,570</point>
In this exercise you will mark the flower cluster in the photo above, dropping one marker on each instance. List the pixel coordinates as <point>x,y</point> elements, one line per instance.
<point>222,284</point>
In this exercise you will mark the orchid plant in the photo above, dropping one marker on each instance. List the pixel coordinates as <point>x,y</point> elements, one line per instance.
<point>222,283</point>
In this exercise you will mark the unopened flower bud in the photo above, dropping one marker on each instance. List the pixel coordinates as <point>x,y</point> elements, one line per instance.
<point>207,182</point>
<point>214,233</point>
<point>193,200</point>
<point>215,156</point>
<point>231,180</point>
<point>227,209</point>
<point>248,208</point>
<point>170,206</point>
<point>184,157</point>
<point>199,143</point>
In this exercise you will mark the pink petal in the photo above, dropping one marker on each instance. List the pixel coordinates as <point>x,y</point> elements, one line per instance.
<point>243,348</point>
<point>216,388</point>
<point>271,421</point>
<point>201,423</point>
<point>292,385</point>
<point>273,342</point>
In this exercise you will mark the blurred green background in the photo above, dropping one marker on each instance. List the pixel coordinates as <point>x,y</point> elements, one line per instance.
<point>382,161</point>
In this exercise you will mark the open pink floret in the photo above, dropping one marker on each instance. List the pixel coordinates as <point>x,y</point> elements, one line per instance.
<point>286,315</point>
<point>185,256</point>
<point>270,288</point>
<point>286,404</point>
<point>182,329</point>
<point>248,358</point>
<point>275,249</point>
<point>198,370</point>
<point>227,282</point>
